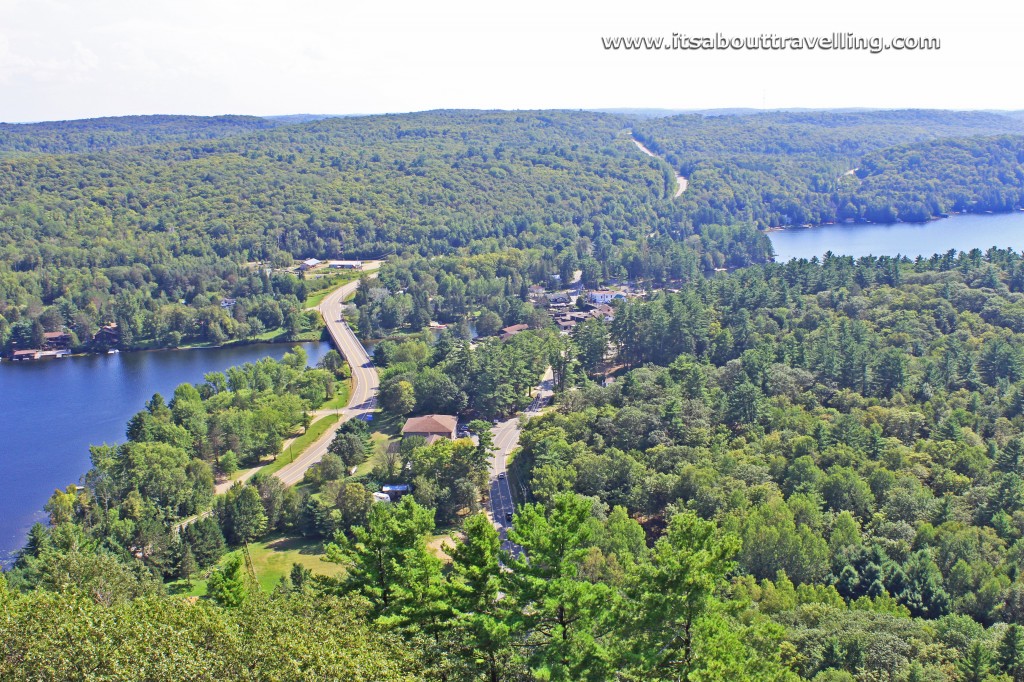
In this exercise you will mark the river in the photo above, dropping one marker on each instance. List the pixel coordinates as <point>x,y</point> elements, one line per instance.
<point>960,232</point>
<point>53,410</point>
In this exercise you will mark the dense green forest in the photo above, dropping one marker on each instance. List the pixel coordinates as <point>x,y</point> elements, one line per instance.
<point>804,470</point>
<point>102,134</point>
<point>780,169</point>
<point>149,222</point>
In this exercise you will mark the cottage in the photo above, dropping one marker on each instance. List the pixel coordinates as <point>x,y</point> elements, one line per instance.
<point>108,335</point>
<point>56,340</point>
<point>431,426</point>
<point>559,298</point>
<point>508,332</point>
<point>345,264</point>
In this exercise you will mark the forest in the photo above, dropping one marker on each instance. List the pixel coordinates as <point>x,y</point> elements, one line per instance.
<point>809,470</point>
<point>803,470</point>
<point>150,222</point>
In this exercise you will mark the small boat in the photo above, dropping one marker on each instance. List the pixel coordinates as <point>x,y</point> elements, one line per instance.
<point>113,351</point>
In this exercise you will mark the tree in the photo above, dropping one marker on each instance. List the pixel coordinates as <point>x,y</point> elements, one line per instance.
<point>1010,652</point>
<point>571,617</point>
<point>397,397</point>
<point>484,621</point>
<point>591,338</point>
<point>349,447</point>
<point>227,585</point>
<point>187,565</point>
<point>975,665</point>
<point>242,514</point>
<point>674,590</point>
<point>387,559</point>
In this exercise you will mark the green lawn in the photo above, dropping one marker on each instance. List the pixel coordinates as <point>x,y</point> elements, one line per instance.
<point>330,284</point>
<point>298,446</point>
<point>340,399</point>
<point>271,559</point>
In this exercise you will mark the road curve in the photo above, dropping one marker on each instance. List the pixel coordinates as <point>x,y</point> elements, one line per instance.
<point>363,399</point>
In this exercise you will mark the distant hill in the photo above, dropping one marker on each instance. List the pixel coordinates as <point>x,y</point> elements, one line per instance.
<point>102,134</point>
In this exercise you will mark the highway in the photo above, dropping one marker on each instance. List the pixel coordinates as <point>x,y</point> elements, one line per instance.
<point>363,399</point>
<point>506,438</point>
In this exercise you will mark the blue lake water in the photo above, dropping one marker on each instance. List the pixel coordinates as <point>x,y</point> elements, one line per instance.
<point>960,232</point>
<point>53,410</point>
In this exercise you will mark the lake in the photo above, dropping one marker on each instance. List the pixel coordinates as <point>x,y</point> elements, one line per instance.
<point>960,232</point>
<point>54,409</point>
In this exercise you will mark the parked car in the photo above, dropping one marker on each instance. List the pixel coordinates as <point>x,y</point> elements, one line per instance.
<point>508,516</point>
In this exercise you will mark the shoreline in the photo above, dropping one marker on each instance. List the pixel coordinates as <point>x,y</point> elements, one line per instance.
<point>164,349</point>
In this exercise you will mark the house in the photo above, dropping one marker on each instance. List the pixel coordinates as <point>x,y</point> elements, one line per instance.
<point>431,427</point>
<point>227,303</point>
<point>28,354</point>
<point>605,296</point>
<point>108,335</point>
<point>565,325</point>
<point>56,340</point>
<point>345,264</point>
<point>559,298</point>
<point>395,491</point>
<point>309,264</point>
<point>536,291</point>
<point>508,332</point>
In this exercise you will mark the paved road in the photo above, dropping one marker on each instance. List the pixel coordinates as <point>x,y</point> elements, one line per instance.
<point>506,438</point>
<point>363,399</point>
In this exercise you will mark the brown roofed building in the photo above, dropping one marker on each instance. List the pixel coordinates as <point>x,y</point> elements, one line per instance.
<point>431,427</point>
<point>56,340</point>
<point>508,332</point>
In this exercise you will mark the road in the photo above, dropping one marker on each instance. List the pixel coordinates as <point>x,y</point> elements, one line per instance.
<point>506,438</point>
<point>363,399</point>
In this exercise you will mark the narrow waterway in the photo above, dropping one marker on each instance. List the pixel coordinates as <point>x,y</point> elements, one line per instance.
<point>53,410</point>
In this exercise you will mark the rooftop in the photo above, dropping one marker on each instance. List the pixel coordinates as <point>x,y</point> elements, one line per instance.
<point>431,423</point>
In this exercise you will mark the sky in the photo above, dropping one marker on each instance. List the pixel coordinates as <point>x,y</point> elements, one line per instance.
<point>85,58</point>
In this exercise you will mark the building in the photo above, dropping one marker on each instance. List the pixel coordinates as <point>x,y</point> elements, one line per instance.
<point>56,340</point>
<point>395,491</point>
<point>431,427</point>
<point>558,298</point>
<point>27,354</point>
<point>508,332</point>
<point>227,303</point>
<point>605,296</point>
<point>108,335</point>
<point>381,497</point>
<point>345,264</point>
<point>309,264</point>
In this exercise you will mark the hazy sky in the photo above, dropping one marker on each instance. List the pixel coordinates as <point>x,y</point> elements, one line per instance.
<point>81,58</point>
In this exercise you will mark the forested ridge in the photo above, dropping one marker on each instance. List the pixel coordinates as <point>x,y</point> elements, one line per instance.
<point>783,169</point>
<point>149,221</point>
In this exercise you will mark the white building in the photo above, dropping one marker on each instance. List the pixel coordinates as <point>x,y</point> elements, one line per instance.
<point>345,264</point>
<point>605,296</point>
<point>309,264</point>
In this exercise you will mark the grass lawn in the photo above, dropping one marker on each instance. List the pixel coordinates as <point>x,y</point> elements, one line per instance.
<point>333,282</point>
<point>341,393</point>
<point>299,445</point>
<point>272,559</point>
